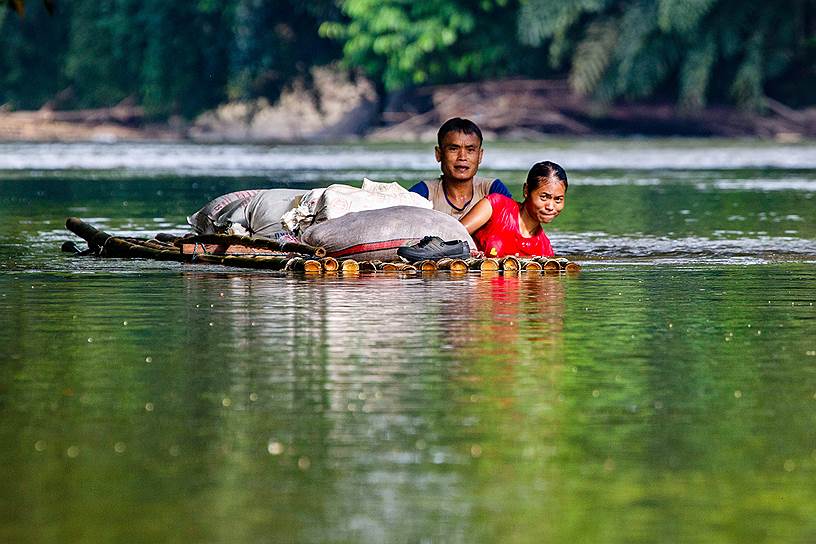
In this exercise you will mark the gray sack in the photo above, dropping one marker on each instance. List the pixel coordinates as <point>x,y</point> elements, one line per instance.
<point>376,234</point>
<point>264,210</point>
<point>221,213</point>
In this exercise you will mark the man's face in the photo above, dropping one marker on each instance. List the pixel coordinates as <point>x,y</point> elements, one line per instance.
<point>459,155</point>
<point>546,201</point>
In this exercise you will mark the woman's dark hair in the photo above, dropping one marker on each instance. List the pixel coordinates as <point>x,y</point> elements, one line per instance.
<point>542,172</point>
<point>457,124</point>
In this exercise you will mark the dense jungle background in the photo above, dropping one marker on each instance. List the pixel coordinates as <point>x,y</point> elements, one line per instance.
<point>179,59</point>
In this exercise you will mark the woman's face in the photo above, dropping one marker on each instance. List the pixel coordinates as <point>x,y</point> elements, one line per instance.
<point>546,201</point>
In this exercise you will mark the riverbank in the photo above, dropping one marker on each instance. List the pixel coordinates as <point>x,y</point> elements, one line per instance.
<point>342,108</point>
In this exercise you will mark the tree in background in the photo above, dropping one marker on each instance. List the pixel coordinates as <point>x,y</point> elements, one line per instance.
<point>171,57</point>
<point>185,57</point>
<point>274,44</point>
<point>32,56</point>
<point>400,44</point>
<point>693,50</point>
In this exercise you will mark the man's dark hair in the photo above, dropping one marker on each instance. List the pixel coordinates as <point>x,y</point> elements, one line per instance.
<point>457,124</point>
<point>545,171</point>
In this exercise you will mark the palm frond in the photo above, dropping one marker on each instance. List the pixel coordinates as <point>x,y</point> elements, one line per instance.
<point>695,72</point>
<point>593,55</point>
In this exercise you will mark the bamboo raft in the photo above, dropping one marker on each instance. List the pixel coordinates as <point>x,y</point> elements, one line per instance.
<point>266,254</point>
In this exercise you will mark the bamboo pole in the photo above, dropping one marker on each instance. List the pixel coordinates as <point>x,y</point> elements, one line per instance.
<point>167,238</point>
<point>531,265</point>
<point>119,247</point>
<point>156,244</point>
<point>253,242</point>
<point>398,267</point>
<point>158,251</point>
<point>509,263</point>
<point>330,264</point>
<point>96,238</point>
<point>70,247</point>
<point>548,264</point>
<point>368,266</point>
<point>299,264</point>
<point>207,259</point>
<point>269,262</point>
<point>572,267</point>
<point>426,266</point>
<point>153,244</point>
<point>349,266</point>
<point>558,264</point>
<point>482,264</point>
<point>454,265</point>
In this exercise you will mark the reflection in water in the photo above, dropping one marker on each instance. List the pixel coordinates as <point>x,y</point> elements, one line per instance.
<point>387,408</point>
<point>387,385</point>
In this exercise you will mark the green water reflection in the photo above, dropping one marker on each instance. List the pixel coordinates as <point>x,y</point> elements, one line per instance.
<point>621,405</point>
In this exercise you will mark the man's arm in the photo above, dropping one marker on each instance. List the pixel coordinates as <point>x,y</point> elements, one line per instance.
<point>421,189</point>
<point>500,188</point>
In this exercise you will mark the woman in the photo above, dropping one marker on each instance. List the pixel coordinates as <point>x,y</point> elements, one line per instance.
<point>501,226</point>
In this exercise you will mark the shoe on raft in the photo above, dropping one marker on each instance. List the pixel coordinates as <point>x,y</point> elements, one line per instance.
<point>434,248</point>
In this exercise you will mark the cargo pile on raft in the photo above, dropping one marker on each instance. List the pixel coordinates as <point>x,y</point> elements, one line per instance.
<point>264,254</point>
<point>337,229</point>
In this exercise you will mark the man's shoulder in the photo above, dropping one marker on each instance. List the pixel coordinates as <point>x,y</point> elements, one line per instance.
<point>421,189</point>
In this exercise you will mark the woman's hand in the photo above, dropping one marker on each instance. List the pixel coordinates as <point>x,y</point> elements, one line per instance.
<point>477,216</point>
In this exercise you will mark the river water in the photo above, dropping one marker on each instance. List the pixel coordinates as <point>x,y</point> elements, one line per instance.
<point>667,393</point>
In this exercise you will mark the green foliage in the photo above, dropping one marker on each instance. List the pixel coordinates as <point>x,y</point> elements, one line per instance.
<point>19,6</point>
<point>411,43</point>
<point>635,48</point>
<point>273,45</point>
<point>172,57</point>
<point>185,57</point>
<point>31,56</point>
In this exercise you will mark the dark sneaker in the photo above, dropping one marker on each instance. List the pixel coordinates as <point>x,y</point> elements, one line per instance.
<point>434,248</point>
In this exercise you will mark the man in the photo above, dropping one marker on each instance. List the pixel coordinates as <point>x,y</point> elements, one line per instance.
<point>459,153</point>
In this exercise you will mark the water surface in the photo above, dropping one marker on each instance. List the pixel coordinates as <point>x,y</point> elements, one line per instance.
<point>667,393</point>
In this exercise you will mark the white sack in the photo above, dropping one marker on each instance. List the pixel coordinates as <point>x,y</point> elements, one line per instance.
<point>302,216</point>
<point>338,200</point>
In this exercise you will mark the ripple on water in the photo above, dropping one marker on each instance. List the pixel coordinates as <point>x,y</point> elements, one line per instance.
<point>742,249</point>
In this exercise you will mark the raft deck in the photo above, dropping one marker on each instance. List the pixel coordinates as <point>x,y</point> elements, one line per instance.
<point>266,254</point>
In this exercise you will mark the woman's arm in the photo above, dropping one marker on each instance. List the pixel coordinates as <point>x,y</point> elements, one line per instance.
<point>477,216</point>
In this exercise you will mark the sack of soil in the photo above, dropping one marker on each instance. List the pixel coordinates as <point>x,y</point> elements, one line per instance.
<point>255,211</point>
<point>376,234</point>
<point>264,210</point>
<point>219,214</point>
<point>337,200</point>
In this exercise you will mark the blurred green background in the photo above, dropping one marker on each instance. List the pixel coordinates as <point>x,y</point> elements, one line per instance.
<point>181,58</point>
